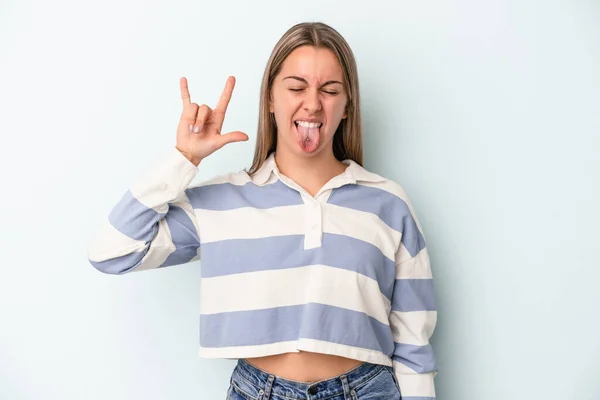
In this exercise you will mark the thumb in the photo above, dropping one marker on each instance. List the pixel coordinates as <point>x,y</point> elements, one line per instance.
<point>235,136</point>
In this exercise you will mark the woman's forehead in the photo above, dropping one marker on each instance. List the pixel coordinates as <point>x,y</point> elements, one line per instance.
<point>315,65</point>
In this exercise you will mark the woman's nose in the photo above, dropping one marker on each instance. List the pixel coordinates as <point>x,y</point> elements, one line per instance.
<point>312,102</point>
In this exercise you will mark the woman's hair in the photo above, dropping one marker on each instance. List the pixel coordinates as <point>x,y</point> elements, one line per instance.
<point>347,140</point>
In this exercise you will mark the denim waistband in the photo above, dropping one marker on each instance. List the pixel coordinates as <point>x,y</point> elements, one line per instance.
<point>341,384</point>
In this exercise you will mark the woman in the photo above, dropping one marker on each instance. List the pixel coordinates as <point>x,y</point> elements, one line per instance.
<point>315,274</point>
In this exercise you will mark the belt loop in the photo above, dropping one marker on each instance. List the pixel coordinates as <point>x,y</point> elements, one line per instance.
<point>268,387</point>
<point>346,387</point>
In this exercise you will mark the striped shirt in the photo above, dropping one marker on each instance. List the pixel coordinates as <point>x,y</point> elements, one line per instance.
<point>345,272</point>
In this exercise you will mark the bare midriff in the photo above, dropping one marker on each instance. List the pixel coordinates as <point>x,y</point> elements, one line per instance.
<point>304,366</point>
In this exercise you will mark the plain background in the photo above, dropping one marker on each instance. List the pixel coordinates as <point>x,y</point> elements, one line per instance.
<point>486,112</point>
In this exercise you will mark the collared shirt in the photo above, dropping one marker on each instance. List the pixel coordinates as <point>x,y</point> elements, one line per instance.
<point>344,272</point>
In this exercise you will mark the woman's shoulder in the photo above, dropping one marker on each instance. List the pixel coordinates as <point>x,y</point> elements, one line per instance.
<point>372,179</point>
<point>235,178</point>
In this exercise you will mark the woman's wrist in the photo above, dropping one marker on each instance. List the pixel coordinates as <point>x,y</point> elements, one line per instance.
<point>190,157</point>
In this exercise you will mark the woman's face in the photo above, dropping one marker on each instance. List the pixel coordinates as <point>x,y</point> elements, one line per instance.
<point>309,101</point>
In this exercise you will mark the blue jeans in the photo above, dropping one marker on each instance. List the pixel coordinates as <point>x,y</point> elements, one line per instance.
<point>365,382</point>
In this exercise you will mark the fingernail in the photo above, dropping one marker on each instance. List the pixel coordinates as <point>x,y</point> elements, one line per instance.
<point>196,129</point>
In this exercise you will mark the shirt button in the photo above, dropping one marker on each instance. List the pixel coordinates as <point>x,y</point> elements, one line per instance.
<point>312,390</point>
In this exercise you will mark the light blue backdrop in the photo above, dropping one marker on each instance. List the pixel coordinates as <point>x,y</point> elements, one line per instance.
<point>486,112</point>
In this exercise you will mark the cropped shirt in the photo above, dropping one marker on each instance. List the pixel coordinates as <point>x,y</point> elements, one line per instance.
<point>345,272</point>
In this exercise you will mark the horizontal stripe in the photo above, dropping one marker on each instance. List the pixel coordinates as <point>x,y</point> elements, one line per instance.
<point>140,261</point>
<point>361,225</point>
<point>183,235</point>
<point>109,243</point>
<point>182,229</point>
<point>311,284</point>
<point>417,267</point>
<point>413,385</point>
<point>283,252</point>
<point>344,350</point>
<point>412,239</point>
<point>285,323</point>
<point>173,236</point>
<point>414,327</point>
<point>397,190</point>
<point>181,255</point>
<point>413,295</point>
<point>418,358</point>
<point>134,219</point>
<point>116,253</point>
<point>294,346</point>
<point>249,223</point>
<point>391,209</point>
<point>227,196</point>
<point>256,350</point>
<point>119,265</point>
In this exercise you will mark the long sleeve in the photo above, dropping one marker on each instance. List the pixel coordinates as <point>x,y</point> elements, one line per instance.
<point>413,316</point>
<point>153,225</point>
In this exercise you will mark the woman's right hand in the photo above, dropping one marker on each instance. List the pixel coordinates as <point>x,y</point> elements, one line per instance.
<point>199,131</point>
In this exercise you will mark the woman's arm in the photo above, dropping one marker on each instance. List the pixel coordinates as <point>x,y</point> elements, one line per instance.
<point>153,225</point>
<point>414,315</point>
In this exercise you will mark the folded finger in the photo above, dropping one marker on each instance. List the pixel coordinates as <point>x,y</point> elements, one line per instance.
<point>204,112</point>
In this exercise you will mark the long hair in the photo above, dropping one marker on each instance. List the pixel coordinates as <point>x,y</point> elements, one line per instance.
<point>347,140</point>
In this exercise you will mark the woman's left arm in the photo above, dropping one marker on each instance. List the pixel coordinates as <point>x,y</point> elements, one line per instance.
<point>414,315</point>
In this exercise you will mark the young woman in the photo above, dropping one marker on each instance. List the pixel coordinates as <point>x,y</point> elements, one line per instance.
<point>315,274</point>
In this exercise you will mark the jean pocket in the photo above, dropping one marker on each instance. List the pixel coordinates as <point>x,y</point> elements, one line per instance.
<point>243,390</point>
<point>380,386</point>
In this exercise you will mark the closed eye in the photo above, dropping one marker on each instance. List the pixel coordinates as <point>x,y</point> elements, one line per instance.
<point>325,91</point>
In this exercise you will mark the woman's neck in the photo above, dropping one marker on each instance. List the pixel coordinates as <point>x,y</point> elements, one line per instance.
<point>311,173</point>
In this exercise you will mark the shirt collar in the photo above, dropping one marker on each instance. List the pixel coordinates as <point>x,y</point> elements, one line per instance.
<point>354,173</point>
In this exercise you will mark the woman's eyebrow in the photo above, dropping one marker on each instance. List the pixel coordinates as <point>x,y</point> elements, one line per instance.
<point>304,80</point>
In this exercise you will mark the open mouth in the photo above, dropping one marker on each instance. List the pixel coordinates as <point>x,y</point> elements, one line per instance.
<point>308,125</point>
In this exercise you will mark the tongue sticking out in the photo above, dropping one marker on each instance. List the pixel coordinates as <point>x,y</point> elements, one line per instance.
<point>308,138</point>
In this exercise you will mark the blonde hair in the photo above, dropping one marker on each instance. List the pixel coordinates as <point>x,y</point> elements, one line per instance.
<point>347,140</point>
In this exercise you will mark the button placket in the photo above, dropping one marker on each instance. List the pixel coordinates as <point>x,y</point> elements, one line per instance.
<point>317,217</point>
<point>314,224</point>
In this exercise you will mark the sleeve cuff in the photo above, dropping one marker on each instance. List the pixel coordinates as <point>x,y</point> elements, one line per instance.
<point>416,386</point>
<point>166,181</point>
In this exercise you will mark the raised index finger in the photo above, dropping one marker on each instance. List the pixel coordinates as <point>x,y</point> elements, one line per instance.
<point>185,93</point>
<point>226,96</point>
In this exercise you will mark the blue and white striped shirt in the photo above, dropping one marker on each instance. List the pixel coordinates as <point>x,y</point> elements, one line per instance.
<point>345,272</point>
